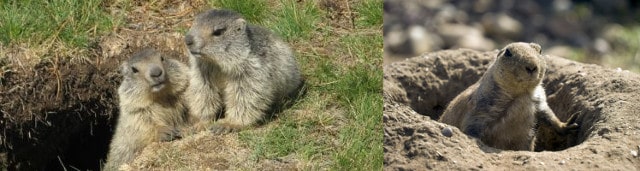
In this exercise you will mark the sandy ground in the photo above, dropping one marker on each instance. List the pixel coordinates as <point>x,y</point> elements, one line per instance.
<point>417,90</point>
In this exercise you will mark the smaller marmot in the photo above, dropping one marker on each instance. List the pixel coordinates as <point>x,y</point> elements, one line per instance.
<point>152,108</point>
<point>236,67</point>
<point>503,107</point>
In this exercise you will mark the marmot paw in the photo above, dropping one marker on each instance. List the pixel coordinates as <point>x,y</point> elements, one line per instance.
<point>224,128</point>
<point>570,125</point>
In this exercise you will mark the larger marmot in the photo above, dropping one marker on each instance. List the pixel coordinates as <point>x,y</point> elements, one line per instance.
<point>237,66</point>
<point>502,108</point>
<point>152,106</point>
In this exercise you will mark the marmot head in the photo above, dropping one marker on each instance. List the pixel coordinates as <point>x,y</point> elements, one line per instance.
<point>218,34</point>
<point>145,70</point>
<point>519,66</point>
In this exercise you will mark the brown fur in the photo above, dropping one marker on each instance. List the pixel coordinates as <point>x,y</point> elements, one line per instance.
<point>151,105</point>
<point>503,107</point>
<point>237,66</point>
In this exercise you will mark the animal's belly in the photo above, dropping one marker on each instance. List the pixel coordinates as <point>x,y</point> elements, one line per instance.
<point>514,130</point>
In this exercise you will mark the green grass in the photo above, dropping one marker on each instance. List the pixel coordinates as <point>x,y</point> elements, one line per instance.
<point>295,20</point>
<point>370,13</point>
<point>253,11</point>
<point>292,20</point>
<point>340,123</point>
<point>35,22</point>
<point>362,141</point>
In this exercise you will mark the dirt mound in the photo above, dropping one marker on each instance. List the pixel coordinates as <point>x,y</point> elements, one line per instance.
<point>417,90</point>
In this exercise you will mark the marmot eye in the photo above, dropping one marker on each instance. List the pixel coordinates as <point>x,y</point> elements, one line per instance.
<point>134,69</point>
<point>162,58</point>
<point>507,53</point>
<point>218,31</point>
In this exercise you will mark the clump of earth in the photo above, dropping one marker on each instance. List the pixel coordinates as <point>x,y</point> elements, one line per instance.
<point>418,89</point>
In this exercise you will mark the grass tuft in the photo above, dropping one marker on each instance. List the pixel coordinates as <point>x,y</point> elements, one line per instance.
<point>253,11</point>
<point>71,21</point>
<point>296,20</point>
<point>362,140</point>
<point>370,13</point>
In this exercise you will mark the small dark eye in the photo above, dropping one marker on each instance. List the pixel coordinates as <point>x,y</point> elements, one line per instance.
<point>507,53</point>
<point>218,31</point>
<point>162,58</point>
<point>134,69</point>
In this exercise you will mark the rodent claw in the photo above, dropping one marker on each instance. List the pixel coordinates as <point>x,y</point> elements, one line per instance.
<point>222,129</point>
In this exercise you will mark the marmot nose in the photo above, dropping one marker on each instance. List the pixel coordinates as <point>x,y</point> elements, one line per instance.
<point>530,70</point>
<point>188,40</point>
<point>155,72</point>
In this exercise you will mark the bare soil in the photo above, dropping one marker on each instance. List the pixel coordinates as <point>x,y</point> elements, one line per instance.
<point>417,90</point>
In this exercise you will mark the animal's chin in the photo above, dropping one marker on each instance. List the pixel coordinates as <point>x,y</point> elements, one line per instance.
<point>196,55</point>
<point>157,87</point>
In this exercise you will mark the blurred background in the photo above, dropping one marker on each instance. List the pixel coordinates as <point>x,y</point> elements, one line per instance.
<point>605,32</point>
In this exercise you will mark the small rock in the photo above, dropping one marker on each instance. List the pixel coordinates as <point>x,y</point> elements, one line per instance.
<point>601,45</point>
<point>476,41</point>
<point>634,153</point>
<point>395,37</point>
<point>452,33</point>
<point>501,25</point>
<point>446,131</point>
<point>423,40</point>
<point>561,5</point>
<point>561,51</point>
<point>562,162</point>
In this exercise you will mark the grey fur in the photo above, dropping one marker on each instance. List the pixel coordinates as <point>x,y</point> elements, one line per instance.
<point>147,113</point>
<point>237,66</point>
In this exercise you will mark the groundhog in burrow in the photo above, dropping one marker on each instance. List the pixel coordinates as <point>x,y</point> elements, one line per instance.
<point>152,106</point>
<point>503,107</point>
<point>240,67</point>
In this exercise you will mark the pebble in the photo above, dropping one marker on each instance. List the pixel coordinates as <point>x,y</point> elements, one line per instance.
<point>634,153</point>
<point>446,131</point>
<point>562,162</point>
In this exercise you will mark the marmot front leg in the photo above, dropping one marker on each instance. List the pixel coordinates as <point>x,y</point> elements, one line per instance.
<point>545,116</point>
<point>245,105</point>
<point>204,102</point>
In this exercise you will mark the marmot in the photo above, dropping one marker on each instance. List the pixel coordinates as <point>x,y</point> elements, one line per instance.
<point>237,66</point>
<point>503,107</point>
<point>152,108</point>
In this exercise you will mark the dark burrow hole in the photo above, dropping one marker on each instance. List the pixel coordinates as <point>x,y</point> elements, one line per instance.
<point>563,96</point>
<point>62,121</point>
<point>86,151</point>
<point>69,143</point>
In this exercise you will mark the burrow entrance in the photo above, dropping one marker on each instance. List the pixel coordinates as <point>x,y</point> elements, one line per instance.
<point>428,83</point>
<point>58,115</point>
<point>61,113</point>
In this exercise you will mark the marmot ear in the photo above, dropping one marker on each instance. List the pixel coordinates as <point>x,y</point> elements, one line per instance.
<point>507,53</point>
<point>240,23</point>
<point>536,47</point>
